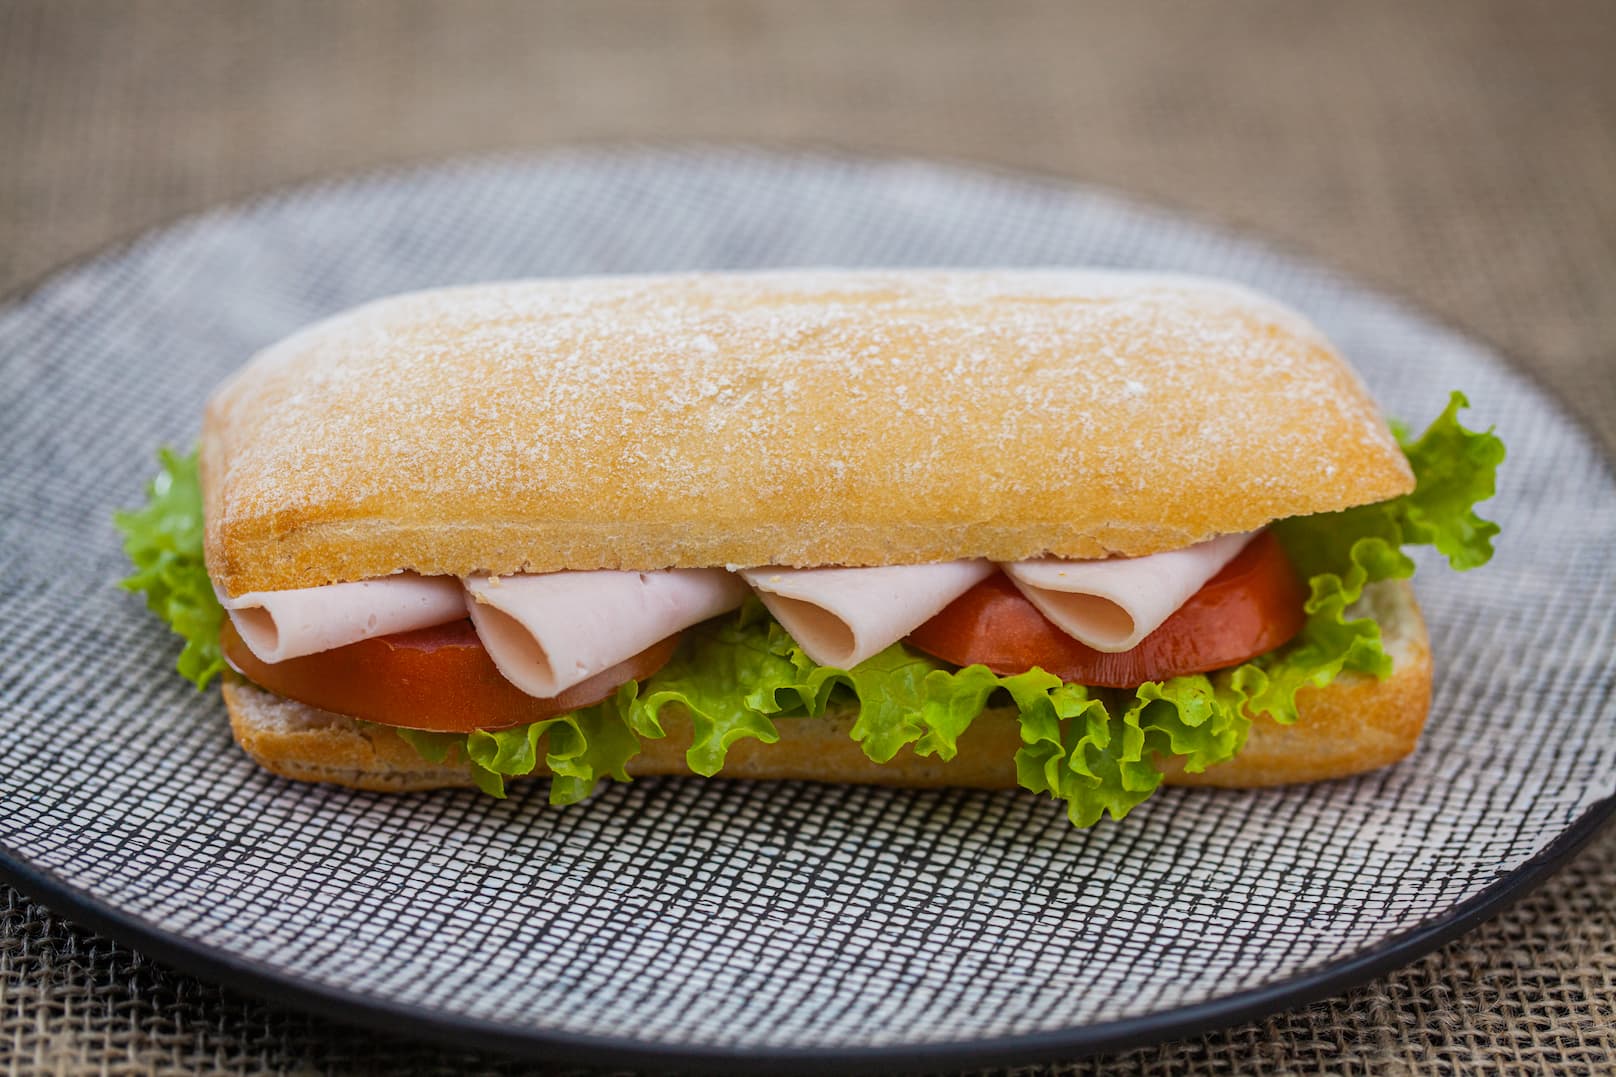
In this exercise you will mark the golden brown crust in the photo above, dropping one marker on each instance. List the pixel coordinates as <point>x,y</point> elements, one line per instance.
<point>1354,725</point>
<point>833,417</point>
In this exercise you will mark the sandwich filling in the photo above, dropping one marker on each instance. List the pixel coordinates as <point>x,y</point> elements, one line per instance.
<point>549,632</point>
<point>1251,606</point>
<point>1112,665</point>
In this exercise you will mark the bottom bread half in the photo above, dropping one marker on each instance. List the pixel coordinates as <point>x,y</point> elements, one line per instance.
<point>1356,724</point>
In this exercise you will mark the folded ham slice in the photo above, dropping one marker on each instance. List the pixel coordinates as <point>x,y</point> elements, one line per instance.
<point>551,631</point>
<point>277,625</point>
<point>1113,604</point>
<point>841,616</point>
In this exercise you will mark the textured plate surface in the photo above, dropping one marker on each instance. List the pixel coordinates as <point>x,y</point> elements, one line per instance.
<point>719,917</point>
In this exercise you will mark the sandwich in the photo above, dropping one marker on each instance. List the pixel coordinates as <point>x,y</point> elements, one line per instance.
<point>1080,532</point>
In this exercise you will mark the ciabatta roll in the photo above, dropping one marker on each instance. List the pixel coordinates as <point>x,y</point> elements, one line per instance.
<point>824,418</point>
<point>1071,529</point>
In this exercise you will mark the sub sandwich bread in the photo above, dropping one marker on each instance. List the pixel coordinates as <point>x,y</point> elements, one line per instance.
<point>1082,532</point>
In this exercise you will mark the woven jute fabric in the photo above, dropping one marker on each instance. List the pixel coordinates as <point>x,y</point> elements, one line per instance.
<point>1460,156</point>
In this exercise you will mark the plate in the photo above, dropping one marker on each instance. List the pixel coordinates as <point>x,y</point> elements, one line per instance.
<point>722,923</point>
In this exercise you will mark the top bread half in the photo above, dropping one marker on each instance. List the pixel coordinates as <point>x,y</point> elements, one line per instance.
<point>790,418</point>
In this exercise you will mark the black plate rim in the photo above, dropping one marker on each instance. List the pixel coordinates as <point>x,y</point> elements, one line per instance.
<point>275,986</point>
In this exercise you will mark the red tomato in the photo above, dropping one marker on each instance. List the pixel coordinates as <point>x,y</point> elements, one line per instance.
<point>435,678</point>
<point>1251,607</point>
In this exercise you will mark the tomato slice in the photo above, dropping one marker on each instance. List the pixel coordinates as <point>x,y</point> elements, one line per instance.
<point>1248,609</point>
<point>438,678</point>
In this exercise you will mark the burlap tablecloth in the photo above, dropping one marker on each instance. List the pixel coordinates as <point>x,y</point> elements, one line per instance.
<point>1462,155</point>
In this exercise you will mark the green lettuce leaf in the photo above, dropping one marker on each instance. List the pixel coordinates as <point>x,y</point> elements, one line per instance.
<point>1455,469</point>
<point>581,749</point>
<point>904,698</point>
<point>163,539</point>
<point>1100,751</point>
<point>730,679</point>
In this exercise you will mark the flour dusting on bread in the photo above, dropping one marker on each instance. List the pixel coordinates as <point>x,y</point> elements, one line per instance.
<point>799,418</point>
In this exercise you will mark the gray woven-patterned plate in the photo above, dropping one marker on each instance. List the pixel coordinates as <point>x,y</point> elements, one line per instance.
<point>721,921</point>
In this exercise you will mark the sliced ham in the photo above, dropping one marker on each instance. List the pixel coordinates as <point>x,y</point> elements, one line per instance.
<point>277,625</point>
<point>547,633</point>
<point>841,616</point>
<point>550,631</point>
<point>1113,604</point>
